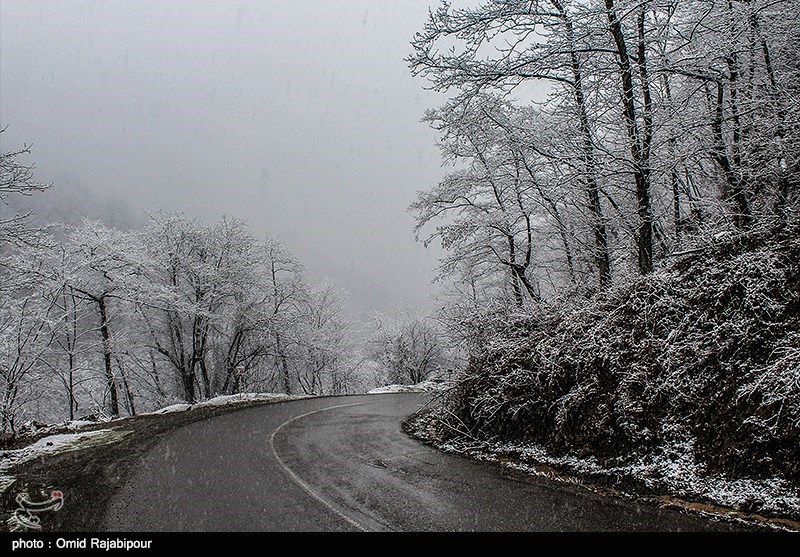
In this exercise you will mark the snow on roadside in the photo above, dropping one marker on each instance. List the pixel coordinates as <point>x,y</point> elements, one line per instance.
<point>65,442</point>
<point>53,444</point>
<point>34,428</point>
<point>678,473</point>
<point>681,475</point>
<point>170,409</point>
<point>226,400</point>
<point>424,387</point>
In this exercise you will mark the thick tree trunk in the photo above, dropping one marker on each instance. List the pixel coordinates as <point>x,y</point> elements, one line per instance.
<point>520,272</point>
<point>207,392</point>
<point>187,379</point>
<point>646,217</point>
<point>107,356</point>
<point>601,256</point>
<point>231,378</point>
<point>71,387</point>
<point>513,276</point>
<point>70,344</point>
<point>283,365</point>
<point>639,142</point>
<point>129,396</point>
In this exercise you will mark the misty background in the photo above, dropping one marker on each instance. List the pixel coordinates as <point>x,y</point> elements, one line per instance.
<point>300,116</point>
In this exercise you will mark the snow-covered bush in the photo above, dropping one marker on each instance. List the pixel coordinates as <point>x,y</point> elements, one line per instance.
<point>704,353</point>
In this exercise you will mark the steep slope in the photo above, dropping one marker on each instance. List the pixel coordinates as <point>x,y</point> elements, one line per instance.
<point>694,369</point>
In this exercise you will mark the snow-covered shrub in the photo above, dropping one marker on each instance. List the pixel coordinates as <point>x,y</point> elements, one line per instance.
<point>705,350</point>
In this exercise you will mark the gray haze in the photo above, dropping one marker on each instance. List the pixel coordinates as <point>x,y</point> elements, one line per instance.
<point>298,115</point>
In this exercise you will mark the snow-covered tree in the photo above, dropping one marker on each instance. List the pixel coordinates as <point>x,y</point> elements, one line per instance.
<point>16,179</point>
<point>407,348</point>
<point>662,119</point>
<point>25,335</point>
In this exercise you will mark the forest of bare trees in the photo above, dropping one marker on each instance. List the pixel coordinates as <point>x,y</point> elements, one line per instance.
<point>663,121</point>
<point>102,322</point>
<point>99,322</point>
<point>620,225</point>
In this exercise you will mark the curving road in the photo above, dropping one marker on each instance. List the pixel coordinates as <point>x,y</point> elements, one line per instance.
<point>343,464</point>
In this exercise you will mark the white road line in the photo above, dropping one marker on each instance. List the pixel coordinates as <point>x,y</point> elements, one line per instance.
<point>297,478</point>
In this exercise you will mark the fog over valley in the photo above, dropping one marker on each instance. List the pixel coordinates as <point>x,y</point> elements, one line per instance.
<point>299,116</point>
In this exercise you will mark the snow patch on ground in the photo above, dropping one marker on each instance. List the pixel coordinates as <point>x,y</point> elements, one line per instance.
<point>31,429</point>
<point>170,409</point>
<point>226,400</point>
<point>677,473</point>
<point>424,387</point>
<point>65,442</point>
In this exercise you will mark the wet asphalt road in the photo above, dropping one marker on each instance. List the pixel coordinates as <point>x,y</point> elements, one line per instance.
<point>343,464</point>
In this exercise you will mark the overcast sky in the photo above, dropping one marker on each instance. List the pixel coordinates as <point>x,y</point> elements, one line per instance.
<point>298,115</point>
